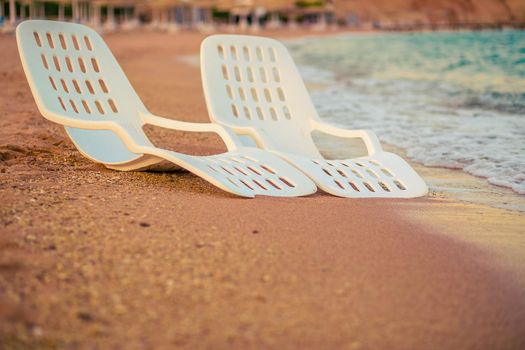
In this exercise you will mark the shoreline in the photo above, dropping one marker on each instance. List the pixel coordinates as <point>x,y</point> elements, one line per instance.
<point>446,182</point>
<point>91,257</point>
<point>489,191</point>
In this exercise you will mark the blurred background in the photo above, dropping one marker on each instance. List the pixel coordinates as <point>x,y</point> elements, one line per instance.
<point>208,15</point>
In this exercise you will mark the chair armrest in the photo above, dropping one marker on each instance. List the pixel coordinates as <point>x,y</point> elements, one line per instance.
<point>227,136</point>
<point>249,131</point>
<point>369,138</point>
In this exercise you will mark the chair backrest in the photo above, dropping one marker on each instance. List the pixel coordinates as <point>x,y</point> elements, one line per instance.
<point>253,81</point>
<point>73,74</point>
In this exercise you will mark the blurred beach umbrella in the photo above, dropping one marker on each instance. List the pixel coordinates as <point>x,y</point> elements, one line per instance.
<point>269,5</point>
<point>242,9</point>
<point>82,11</point>
<point>171,15</point>
<point>111,5</point>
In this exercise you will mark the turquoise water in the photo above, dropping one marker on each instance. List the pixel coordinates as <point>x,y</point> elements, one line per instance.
<point>454,99</point>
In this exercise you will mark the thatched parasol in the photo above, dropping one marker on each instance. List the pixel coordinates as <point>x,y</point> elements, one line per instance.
<point>170,3</point>
<point>269,5</point>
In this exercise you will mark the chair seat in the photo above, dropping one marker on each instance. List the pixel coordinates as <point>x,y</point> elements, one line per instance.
<point>247,172</point>
<point>383,175</point>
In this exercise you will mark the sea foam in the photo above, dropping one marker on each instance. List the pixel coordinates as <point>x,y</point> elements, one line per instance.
<point>439,122</point>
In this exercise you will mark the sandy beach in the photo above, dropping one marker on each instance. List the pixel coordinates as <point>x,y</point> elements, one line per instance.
<point>92,258</point>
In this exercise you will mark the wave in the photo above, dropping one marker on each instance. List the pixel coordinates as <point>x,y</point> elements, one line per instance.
<point>435,126</point>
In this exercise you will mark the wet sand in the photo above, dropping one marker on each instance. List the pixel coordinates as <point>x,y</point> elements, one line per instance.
<point>94,258</point>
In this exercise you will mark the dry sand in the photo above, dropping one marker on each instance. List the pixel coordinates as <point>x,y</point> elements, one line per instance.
<point>97,259</point>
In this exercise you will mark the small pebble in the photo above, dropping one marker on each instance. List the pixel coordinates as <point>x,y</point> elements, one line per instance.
<point>144,224</point>
<point>37,331</point>
<point>255,232</point>
<point>85,316</point>
<point>266,278</point>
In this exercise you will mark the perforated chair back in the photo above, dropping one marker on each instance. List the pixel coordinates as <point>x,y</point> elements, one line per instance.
<point>84,82</point>
<point>253,81</point>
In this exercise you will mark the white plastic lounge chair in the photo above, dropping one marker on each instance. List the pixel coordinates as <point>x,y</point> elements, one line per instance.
<point>77,82</point>
<point>253,88</point>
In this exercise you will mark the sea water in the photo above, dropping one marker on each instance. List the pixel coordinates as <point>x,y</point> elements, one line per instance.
<point>450,99</point>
